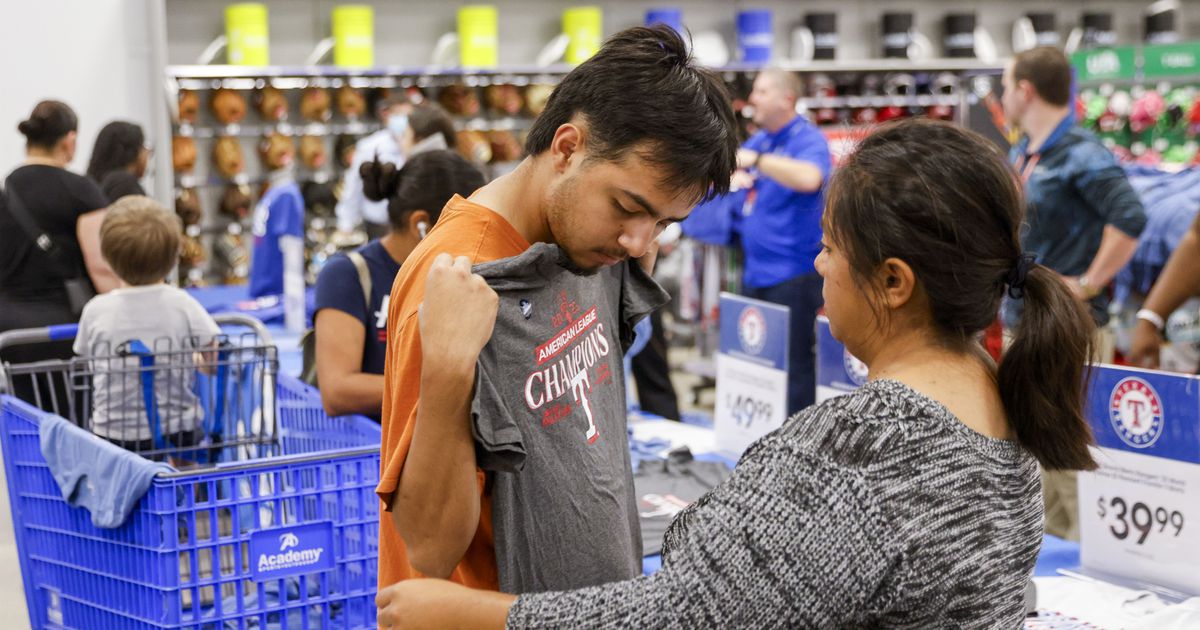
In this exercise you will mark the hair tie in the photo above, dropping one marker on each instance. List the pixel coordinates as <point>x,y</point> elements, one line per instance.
<point>1018,274</point>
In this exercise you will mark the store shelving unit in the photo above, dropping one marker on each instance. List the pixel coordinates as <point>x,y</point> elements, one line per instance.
<point>957,97</point>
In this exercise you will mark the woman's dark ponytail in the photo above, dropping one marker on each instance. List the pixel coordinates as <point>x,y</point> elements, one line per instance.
<point>1043,374</point>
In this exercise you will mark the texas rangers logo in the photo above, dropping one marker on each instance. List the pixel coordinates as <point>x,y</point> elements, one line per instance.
<point>752,330</point>
<point>856,370</point>
<point>1136,412</point>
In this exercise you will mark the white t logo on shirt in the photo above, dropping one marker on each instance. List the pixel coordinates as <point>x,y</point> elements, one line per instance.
<point>381,314</point>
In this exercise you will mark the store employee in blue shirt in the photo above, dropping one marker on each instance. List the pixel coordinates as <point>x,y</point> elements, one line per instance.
<point>783,167</point>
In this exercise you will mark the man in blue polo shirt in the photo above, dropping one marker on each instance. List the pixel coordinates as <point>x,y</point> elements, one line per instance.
<point>774,214</point>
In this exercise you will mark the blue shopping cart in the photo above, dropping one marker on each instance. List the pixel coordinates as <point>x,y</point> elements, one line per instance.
<point>273,525</point>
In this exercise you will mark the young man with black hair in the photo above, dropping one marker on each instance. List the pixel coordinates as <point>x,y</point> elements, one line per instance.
<point>1083,217</point>
<point>629,142</point>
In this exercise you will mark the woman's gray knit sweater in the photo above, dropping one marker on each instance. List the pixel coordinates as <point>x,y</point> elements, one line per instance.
<point>875,509</point>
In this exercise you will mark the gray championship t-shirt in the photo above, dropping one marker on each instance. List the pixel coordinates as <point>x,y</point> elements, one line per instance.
<point>170,323</point>
<point>549,420</point>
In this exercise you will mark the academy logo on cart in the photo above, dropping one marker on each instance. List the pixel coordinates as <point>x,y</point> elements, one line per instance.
<point>856,370</point>
<point>752,330</point>
<point>291,551</point>
<point>1136,412</point>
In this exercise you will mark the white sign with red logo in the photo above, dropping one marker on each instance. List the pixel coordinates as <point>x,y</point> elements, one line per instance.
<point>1139,512</point>
<point>751,372</point>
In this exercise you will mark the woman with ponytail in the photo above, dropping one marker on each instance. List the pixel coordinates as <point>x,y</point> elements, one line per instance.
<point>912,502</point>
<point>351,317</point>
<point>50,218</point>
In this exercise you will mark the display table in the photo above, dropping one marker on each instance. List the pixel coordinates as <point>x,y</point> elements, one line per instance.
<point>1056,553</point>
<point>1078,602</point>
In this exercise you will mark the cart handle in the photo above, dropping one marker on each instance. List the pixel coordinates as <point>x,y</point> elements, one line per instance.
<point>62,332</point>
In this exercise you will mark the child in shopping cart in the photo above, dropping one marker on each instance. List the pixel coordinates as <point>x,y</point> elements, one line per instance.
<point>145,332</point>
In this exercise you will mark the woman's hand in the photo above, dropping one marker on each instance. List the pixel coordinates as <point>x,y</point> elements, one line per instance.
<point>1145,346</point>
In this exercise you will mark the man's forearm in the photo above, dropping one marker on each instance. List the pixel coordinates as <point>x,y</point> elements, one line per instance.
<point>797,175</point>
<point>436,507</point>
<point>1116,250</point>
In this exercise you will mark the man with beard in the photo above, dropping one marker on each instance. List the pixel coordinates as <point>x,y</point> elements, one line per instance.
<point>629,142</point>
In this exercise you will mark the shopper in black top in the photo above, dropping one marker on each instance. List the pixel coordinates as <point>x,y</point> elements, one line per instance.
<point>119,160</point>
<point>65,207</point>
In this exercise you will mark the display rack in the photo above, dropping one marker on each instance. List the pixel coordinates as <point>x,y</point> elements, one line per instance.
<point>1143,102</point>
<point>834,97</point>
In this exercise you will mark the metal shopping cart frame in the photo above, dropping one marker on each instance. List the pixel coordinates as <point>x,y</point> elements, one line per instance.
<point>185,557</point>
<point>148,384</point>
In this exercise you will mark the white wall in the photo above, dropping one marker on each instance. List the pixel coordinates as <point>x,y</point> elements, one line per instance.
<point>93,55</point>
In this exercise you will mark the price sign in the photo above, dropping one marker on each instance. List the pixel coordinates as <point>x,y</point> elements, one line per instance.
<point>751,371</point>
<point>1138,512</point>
<point>1138,522</point>
<point>838,371</point>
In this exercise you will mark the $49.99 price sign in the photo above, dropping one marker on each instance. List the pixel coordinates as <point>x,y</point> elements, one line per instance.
<point>751,371</point>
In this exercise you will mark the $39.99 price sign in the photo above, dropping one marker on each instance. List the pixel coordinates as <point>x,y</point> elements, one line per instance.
<point>1137,521</point>
<point>1138,509</point>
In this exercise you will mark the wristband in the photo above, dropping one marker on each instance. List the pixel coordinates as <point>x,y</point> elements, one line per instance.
<point>757,159</point>
<point>1155,319</point>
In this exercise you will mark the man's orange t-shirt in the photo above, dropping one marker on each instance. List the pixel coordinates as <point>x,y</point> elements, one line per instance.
<point>464,229</point>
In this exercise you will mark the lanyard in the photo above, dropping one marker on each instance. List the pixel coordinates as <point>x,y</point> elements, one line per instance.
<point>1029,162</point>
<point>1027,165</point>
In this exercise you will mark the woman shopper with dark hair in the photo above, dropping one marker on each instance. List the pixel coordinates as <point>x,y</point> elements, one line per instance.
<point>50,261</point>
<point>119,160</point>
<point>351,335</point>
<point>911,502</point>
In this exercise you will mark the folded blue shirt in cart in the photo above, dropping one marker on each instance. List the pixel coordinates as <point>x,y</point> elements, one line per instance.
<point>93,473</point>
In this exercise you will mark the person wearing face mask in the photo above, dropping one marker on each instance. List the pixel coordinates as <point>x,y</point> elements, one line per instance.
<point>387,145</point>
<point>353,290</point>
<point>429,128</point>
